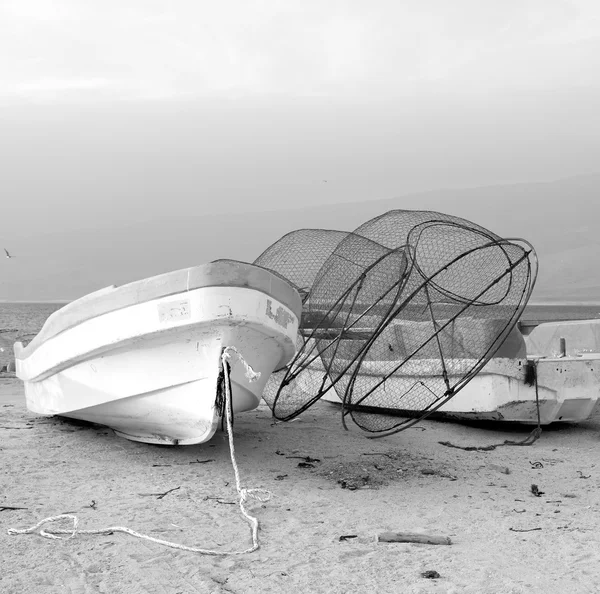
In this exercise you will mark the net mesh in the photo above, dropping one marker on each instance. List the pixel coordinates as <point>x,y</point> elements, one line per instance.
<point>398,315</point>
<point>299,255</point>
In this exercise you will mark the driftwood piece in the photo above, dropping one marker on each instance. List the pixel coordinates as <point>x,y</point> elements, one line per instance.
<point>157,495</point>
<point>413,537</point>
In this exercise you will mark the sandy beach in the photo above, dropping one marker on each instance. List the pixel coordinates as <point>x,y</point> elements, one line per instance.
<point>505,539</point>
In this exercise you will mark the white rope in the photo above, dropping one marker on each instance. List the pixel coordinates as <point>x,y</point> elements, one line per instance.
<point>244,494</point>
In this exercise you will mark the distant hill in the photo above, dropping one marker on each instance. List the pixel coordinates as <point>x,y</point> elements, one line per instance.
<point>561,219</point>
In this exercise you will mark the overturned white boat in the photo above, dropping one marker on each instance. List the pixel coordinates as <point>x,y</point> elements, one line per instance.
<point>145,358</point>
<point>523,377</point>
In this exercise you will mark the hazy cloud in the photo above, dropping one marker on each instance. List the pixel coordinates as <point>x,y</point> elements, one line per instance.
<point>161,49</point>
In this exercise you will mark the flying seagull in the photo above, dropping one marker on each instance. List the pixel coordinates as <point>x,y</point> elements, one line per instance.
<point>7,254</point>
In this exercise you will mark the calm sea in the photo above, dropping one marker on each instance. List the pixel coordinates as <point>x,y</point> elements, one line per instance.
<point>22,319</point>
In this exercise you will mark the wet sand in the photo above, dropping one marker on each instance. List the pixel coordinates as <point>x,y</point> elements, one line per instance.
<point>504,538</point>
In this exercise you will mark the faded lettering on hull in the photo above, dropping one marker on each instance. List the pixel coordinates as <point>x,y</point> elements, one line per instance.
<point>174,310</point>
<point>281,315</point>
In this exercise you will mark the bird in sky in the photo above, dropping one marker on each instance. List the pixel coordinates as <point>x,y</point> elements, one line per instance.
<point>7,254</point>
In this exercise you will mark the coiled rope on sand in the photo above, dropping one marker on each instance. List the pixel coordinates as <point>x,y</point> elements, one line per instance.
<point>260,495</point>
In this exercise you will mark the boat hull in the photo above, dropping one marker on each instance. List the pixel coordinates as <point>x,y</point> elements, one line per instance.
<point>153,371</point>
<point>578,337</point>
<point>567,391</point>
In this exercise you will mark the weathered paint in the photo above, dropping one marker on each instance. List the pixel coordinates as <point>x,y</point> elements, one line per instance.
<point>282,315</point>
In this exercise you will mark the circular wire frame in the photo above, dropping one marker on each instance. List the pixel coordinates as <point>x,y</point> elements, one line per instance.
<point>341,326</point>
<point>447,344</point>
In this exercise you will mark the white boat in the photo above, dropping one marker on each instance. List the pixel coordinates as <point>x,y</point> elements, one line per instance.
<point>568,388</point>
<point>145,358</point>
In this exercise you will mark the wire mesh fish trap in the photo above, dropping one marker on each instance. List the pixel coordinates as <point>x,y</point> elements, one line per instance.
<point>398,315</point>
<point>300,255</point>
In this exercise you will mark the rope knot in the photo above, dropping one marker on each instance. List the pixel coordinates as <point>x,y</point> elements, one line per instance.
<point>250,374</point>
<point>13,531</point>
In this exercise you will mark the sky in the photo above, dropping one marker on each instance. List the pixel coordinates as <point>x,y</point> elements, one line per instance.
<point>114,113</point>
<point>88,50</point>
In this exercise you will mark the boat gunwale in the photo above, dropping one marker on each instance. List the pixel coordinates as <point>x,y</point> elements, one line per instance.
<point>169,332</point>
<point>114,298</point>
